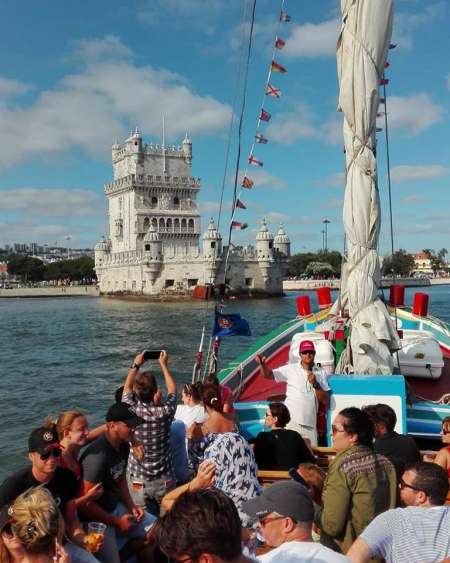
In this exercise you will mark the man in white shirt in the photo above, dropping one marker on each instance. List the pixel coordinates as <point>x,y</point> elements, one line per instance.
<point>285,512</point>
<point>306,387</point>
<point>419,532</point>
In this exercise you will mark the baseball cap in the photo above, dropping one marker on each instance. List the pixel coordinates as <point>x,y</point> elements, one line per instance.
<point>42,440</point>
<point>121,412</point>
<point>307,346</point>
<point>287,498</point>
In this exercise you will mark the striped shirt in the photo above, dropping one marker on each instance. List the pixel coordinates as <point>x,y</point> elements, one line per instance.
<point>409,535</point>
<point>154,434</point>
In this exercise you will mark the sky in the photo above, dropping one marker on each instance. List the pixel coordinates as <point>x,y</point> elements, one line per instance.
<point>74,76</point>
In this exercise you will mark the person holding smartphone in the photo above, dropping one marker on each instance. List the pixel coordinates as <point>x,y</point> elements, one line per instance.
<point>152,476</point>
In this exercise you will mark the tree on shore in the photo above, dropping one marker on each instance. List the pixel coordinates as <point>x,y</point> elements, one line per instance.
<point>26,268</point>
<point>437,259</point>
<point>401,263</point>
<point>29,269</point>
<point>298,263</point>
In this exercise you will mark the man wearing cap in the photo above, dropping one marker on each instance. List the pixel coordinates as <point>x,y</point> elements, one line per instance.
<point>306,386</point>
<point>104,461</point>
<point>285,513</point>
<point>44,453</point>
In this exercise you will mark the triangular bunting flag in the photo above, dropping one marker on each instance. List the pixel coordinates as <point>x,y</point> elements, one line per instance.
<point>261,139</point>
<point>277,67</point>
<point>284,17</point>
<point>247,183</point>
<point>384,81</point>
<point>254,161</point>
<point>279,43</point>
<point>240,205</point>
<point>272,91</point>
<point>264,115</point>
<point>238,225</point>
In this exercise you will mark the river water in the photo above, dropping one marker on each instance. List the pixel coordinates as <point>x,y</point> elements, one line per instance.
<point>60,354</point>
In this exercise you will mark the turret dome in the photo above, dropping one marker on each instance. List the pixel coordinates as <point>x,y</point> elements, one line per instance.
<point>281,237</point>
<point>152,235</point>
<point>103,245</point>
<point>211,232</point>
<point>264,233</point>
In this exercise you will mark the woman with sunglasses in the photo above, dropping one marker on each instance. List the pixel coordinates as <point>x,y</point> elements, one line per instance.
<point>443,456</point>
<point>11,548</point>
<point>360,484</point>
<point>281,448</point>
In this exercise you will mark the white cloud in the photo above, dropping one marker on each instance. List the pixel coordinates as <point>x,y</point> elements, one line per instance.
<point>331,130</point>
<point>9,87</point>
<point>406,173</point>
<point>332,181</point>
<point>88,109</point>
<point>313,40</point>
<point>415,199</point>
<point>406,23</point>
<point>277,218</point>
<point>288,127</point>
<point>413,113</point>
<point>261,178</point>
<point>208,207</point>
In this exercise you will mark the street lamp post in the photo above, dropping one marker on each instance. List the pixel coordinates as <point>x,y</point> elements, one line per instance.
<point>323,239</point>
<point>326,222</point>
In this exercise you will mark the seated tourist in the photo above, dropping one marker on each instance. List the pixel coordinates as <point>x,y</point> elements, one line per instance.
<point>419,532</point>
<point>202,526</point>
<point>226,394</point>
<point>359,485</point>
<point>399,449</point>
<point>104,461</point>
<point>285,513</point>
<point>36,525</point>
<point>191,411</point>
<point>443,456</point>
<point>154,471</point>
<point>44,454</point>
<point>280,449</point>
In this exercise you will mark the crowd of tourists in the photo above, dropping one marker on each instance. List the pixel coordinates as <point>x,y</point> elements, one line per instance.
<point>165,482</point>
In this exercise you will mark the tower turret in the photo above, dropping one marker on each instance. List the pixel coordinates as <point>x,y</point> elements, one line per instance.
<point>282,242</point>
<point>153,253</point>
<point>264,249</point>
<point>187,149</point>
<point>212,242</point>
<point>101,249</point>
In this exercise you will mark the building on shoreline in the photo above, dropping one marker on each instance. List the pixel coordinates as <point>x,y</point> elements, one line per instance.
<point>155,247</point>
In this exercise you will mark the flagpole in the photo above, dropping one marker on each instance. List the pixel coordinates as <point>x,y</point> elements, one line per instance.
<point>164,143</point>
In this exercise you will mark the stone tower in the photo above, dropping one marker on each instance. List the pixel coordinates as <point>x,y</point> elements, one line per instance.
<point>264,249</point>
<point>282,243</point>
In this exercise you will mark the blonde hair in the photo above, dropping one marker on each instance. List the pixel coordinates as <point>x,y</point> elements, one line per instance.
<point>37,520</point>
<point>64,422</point>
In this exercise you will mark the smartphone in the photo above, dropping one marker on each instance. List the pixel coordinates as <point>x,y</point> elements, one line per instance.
<point>152,354</point>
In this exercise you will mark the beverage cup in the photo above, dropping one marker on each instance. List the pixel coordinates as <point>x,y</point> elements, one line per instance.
<point>137,488</point>
<point>96,531</point>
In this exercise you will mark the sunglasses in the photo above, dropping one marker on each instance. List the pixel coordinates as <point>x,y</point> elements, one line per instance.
<point>402,485</point>
<point>55,452</point>
<point>309,352</point>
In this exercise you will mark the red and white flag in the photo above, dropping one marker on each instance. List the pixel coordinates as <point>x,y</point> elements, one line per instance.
<point>238,225</point>
<point>384,81</point>
<point>279,43</point>
<point>240,205</point>
<point>272,91</point>
<point>277,67</point>
<point>264,115</point>
<point>254,161</point>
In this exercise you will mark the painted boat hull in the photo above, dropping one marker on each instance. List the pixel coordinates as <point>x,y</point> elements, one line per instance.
<point>252,391</point>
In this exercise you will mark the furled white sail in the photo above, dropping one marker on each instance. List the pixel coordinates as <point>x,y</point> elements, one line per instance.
<point>361,56</point>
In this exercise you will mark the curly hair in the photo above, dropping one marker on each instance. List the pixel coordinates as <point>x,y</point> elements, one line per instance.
<point>37,520</point>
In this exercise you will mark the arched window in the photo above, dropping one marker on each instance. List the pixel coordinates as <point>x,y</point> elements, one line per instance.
<point>154,223</point>
<point>176,225</point>
<point>191,225</point>
<point>146,224</point>
<point>169,225</point>
<point>176,202</point>
<point>154,201</point>
<point>162,225</point>
<point>183,226</point>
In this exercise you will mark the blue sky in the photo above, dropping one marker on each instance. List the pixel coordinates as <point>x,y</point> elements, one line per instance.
<point>74,76</point>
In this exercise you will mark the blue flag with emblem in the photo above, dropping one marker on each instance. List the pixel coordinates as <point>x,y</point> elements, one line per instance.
<point>230,325</point>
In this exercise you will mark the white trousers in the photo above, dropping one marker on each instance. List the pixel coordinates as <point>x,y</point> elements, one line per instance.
<point>308,432</point>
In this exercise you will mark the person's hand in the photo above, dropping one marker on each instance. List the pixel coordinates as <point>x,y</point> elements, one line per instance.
<point>138,512</point>
<point>163,359</point>
<point>61,555</point>
<point>157,397</point>
<point>139,359</point>
<point>262,360</point>
<point>311,378</point>
<point>138,450</point>
<point>205,476</point>
<point>125,522</point>
<point>94,493</point>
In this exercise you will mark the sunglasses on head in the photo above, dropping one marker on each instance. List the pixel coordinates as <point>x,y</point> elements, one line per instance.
<point>55,452</point>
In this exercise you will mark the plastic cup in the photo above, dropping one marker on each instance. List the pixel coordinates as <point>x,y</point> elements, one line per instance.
<point>94,538</point>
